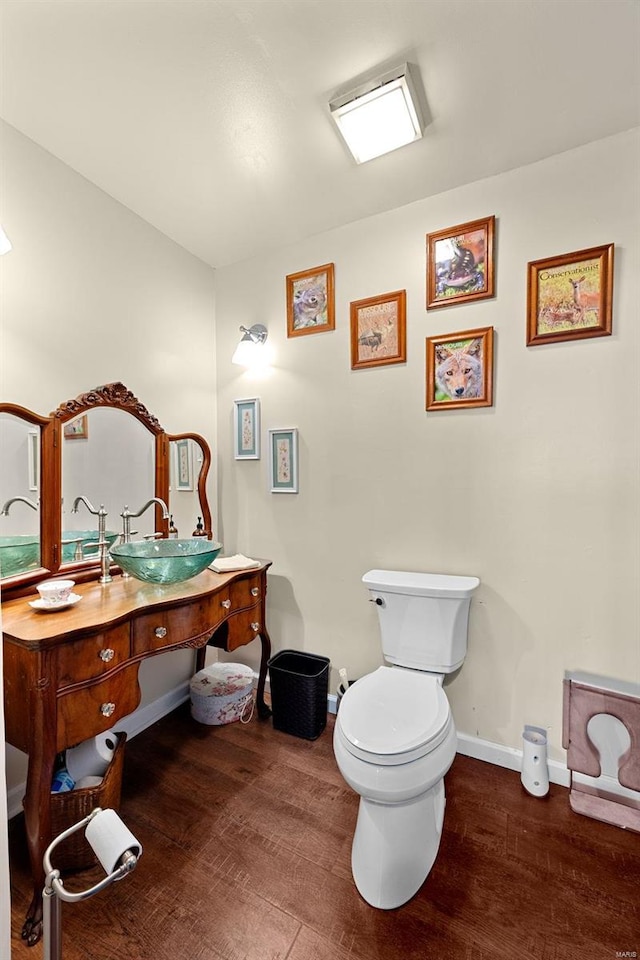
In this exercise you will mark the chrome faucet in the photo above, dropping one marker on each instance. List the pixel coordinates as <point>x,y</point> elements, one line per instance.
<point>30,503</point>
<point>127,515</point>
<point>102,543</point>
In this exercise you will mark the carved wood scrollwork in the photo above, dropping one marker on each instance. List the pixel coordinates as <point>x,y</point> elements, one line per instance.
<point>195,642</point>
<point>109,395</point>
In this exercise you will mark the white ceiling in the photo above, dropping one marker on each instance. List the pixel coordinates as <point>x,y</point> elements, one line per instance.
<point>209,118</point>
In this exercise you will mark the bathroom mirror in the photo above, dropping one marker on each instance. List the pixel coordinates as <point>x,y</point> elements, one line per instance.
<point>106,447</point>
<point>108,457</point>
<point>21,517</point>
<point>189,465</point>
<point>19,495</point>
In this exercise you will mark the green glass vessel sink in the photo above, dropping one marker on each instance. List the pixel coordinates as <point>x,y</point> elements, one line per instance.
<point>165,561</point>
<point>18,554</point>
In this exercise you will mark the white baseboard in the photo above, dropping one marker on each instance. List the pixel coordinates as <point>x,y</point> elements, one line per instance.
<point>143,717</point>
<point>506,757</point>
<point>14,800</point>
<point>468,746</point>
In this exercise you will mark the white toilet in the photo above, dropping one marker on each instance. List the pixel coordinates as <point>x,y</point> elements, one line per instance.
<point>394,737</point>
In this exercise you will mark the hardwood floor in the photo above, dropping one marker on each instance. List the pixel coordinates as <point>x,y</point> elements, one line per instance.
<point>247,837</point>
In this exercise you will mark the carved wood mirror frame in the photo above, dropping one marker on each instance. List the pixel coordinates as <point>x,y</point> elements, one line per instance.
<point>116,396</point>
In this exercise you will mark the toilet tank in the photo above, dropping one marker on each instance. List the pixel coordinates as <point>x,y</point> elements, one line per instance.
<point>423,617</point>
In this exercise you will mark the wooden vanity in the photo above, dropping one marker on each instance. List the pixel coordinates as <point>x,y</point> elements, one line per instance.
<point>72,674</point>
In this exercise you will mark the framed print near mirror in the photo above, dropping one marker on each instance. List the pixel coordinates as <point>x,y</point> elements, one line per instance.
<point>283,460</point>
<point>183,475</point>
<point>378,330</point>
<point>570,297</point>
<point>246,429</point>
<point>77,429</point>
<point>460,369</point>
<point>310,301</point>
<point>460,263</point>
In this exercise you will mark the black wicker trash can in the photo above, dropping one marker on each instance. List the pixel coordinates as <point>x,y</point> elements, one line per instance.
<point>299,687</point>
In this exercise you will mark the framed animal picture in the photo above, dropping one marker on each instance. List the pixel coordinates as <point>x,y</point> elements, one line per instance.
<point>460,369</point>
<point>310,301</point>
<point>570,297</point>
<point>460,263</point>
<point>379,330</point>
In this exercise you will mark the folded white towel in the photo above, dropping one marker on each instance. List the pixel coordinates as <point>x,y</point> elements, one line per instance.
<point>237,562</point>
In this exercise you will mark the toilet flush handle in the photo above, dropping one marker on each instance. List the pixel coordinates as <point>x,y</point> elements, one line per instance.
<point>377,600</point>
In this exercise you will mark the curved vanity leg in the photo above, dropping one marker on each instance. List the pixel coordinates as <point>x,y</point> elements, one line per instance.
<point>37,801</point>
<point>264,712</point>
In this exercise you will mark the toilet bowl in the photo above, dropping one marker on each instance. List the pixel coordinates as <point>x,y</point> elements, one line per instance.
<point>394,737</point>
<point>394,740</point>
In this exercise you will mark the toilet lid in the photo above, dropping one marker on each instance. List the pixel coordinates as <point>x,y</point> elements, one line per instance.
<point>394,711</point>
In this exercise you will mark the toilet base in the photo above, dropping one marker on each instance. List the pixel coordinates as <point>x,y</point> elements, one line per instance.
<point>395,846</point>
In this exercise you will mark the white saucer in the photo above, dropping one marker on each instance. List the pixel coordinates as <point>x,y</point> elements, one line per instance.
<point>39,604</point>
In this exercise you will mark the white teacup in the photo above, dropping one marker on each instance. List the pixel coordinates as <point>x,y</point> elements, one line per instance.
<point>53,592</point>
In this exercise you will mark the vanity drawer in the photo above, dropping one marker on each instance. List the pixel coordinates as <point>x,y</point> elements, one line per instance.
<point>167,628</point>
<point>246,592</point>
<point>96,708</point>
<point>244,627</point>
<point>92,655</point>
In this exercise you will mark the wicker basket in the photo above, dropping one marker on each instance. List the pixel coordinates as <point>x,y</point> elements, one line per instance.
<point>68,808</point>
<point>299,686</point>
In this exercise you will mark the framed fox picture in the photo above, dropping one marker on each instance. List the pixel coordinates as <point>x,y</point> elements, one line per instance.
<point>460,370</point>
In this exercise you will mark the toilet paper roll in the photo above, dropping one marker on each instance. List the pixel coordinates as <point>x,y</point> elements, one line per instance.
<point>109,839</point>
<point>92,757</point>
<point>85,782</point>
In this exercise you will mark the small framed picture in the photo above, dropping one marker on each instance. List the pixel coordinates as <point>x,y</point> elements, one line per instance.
<point>379,330</point>
<point>77,429</point>
<point>460,263</point>
<point>183,473</point>
<point>460,369</point>
<point>310,301</point>
<point>283,460</point>
<point>246,429</point>
<point>570,297</point>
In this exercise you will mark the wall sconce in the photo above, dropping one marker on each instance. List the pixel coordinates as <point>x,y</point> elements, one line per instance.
<point>250,351</point>
<point>5,243</point>
<point>380,115</point>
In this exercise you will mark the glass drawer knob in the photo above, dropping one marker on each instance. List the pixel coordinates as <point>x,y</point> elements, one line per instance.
<point>160,632</point>
<point>107,709</point>
<point>255,591</point>
<point>255,627</point>
<point>226,604</point>
<point>107,654</point>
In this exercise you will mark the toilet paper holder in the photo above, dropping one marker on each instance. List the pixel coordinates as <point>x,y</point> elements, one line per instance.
<point>117,850</point>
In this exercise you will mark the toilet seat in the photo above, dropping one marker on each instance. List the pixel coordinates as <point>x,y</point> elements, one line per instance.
<point>394,716</point>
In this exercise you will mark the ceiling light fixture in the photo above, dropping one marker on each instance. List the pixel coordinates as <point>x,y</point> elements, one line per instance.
<point>250,350</point>
<point>380,115</point>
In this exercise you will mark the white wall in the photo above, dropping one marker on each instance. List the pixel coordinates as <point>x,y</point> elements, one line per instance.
<point>91,294</point>
<point>537,495</point>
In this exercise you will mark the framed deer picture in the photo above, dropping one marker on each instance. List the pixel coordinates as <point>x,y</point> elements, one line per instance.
<point>378,330</point>
<point>570,297</point>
